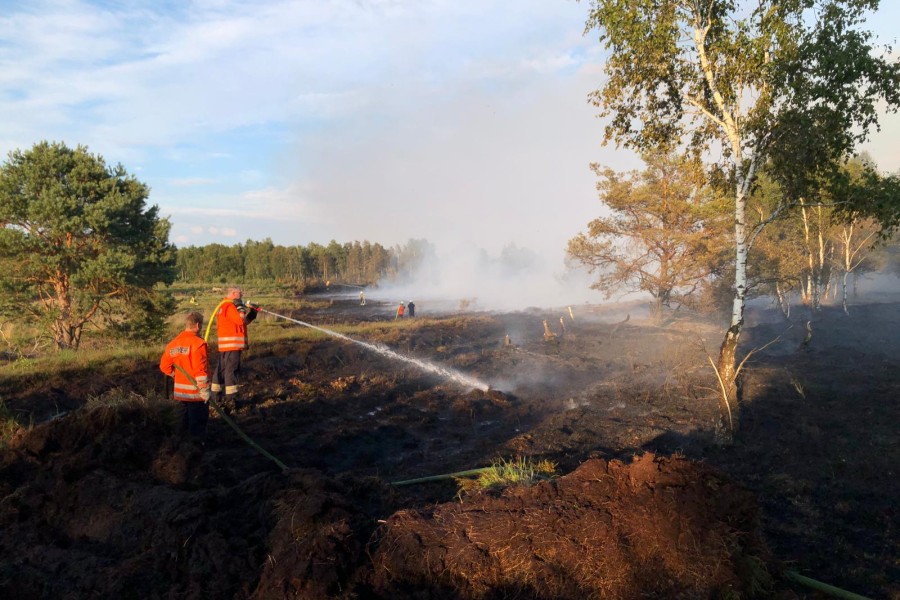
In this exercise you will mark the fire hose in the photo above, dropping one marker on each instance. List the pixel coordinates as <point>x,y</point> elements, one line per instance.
<point>234,426</point>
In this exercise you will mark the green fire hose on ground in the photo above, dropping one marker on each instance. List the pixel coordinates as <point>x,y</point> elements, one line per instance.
<point>234,426</point>
<point>822,587</point>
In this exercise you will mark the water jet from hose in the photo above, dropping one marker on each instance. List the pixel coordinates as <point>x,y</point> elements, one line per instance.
<point>445,372</point>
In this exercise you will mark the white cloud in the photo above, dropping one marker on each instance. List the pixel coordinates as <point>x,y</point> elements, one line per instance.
<point>221,231</point>
<point>462,121</point>
<point>191,181</point>
<point>151,77</point>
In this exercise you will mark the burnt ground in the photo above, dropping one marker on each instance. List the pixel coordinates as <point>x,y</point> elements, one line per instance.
<point>108,501</point>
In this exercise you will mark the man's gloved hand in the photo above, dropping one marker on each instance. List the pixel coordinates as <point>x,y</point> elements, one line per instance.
<point>252,312</point>
<point>204,393</point>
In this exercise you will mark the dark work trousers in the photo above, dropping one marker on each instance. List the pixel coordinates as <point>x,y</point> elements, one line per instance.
<point>194,416</point>
<point>228,368</point>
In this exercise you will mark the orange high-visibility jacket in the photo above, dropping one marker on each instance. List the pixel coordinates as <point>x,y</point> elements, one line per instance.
<point>188,351</point>
<point>231,330</point>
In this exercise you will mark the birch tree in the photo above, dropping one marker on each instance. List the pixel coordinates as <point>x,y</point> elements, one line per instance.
<point>866,215</point>
<point>855,241</point>
<point>792,84</point>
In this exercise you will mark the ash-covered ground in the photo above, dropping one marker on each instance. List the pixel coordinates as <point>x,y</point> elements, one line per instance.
<point>108,502</point>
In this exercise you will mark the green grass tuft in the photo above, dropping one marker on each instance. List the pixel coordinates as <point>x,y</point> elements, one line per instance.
<point>503,473</point>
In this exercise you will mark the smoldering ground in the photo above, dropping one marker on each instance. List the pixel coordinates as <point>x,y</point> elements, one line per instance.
<point>101,500</point>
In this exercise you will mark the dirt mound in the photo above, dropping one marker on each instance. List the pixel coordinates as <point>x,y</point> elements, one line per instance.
<point>659,527</point>
<point>105,503</point>
<point>108,503</point>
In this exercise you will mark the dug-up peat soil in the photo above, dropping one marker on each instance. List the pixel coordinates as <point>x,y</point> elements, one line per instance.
<point>107,501</point>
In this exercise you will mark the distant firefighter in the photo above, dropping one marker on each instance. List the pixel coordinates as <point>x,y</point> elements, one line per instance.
<point>410,309</point>
<point>362,299</point>
<point>400,310</point>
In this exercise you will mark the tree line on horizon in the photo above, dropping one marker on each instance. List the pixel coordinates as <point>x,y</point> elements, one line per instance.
<point>359,263</point>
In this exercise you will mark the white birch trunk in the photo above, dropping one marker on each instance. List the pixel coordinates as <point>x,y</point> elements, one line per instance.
<point>741,253</point>
<point>784,303</point>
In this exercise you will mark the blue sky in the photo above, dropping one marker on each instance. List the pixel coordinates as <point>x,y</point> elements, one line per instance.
<point>461,121</point>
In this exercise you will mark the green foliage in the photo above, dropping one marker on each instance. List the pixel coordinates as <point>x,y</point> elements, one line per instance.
<point>831,235</point>
<point>797,82</point>
<point>108,360</point>
<point>76,238</point>
<point>864,193</point>
<point>504,473</point>
<point>141,316</point>
<point>413,257</point>
<point>794,86</point>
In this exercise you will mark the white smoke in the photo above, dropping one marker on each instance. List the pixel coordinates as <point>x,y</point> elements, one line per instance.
<point>469,277</point>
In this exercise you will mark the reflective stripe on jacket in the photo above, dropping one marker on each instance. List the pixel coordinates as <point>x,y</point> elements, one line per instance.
<point>231,331</point>
<point>188,351</point>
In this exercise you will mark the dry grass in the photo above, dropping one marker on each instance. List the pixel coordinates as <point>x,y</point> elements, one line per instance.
<point>8,424</point>
<point>122,398</point>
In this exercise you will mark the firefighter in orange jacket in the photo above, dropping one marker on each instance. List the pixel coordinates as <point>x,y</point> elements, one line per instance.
<point>231,332</point>
<point>188,351</point>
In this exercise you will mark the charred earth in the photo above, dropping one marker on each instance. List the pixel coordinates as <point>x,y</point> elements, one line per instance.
<point>107,501</point>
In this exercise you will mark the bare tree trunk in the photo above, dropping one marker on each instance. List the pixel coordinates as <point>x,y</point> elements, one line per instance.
<point>784,302</point>
<point>813,289</point>
<point>66,336</point>
<point>658,309</point>
<point>728,379</point>
<point>844,293</point>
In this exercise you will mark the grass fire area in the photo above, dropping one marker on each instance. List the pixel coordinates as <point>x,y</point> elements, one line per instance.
<point>101,497</point>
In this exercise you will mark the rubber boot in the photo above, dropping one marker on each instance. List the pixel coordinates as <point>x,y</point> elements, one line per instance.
<point>237,401</point>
